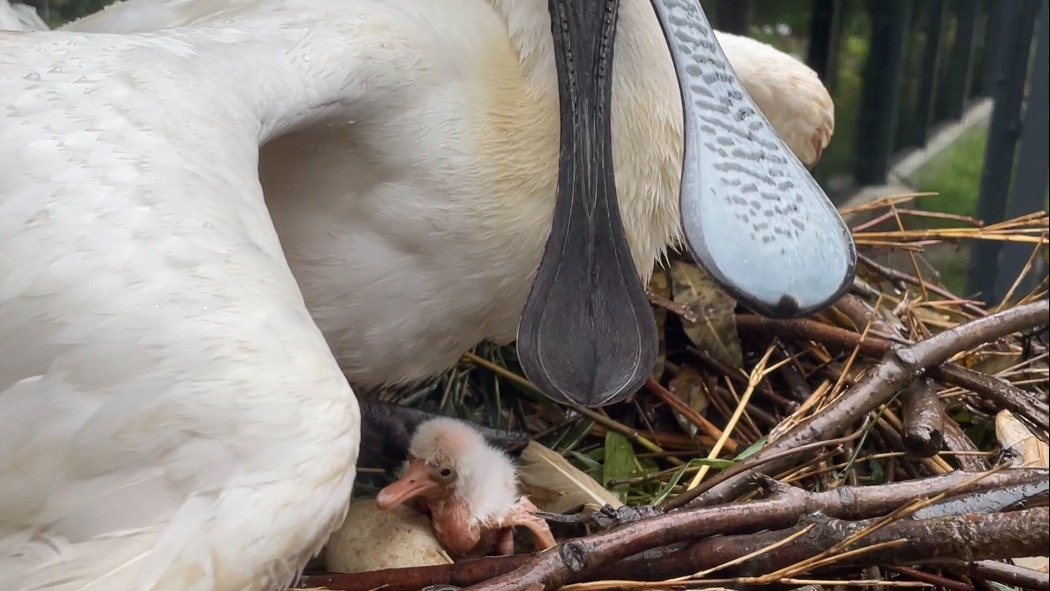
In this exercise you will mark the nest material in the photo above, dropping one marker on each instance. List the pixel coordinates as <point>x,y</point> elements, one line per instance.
<point>898,438</point>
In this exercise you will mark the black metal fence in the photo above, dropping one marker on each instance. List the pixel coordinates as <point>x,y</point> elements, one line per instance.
<point>925,62</point>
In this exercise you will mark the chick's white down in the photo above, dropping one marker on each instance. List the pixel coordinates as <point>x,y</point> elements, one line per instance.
<point>485,477</point>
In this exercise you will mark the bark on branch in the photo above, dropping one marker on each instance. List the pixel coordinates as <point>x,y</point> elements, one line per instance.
<point>898,368</point>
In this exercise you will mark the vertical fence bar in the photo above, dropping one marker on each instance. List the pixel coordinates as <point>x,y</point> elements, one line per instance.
<point>1011,63</point>
<point>992,42</point>
<point>734,16</point>
<point>962,58</point>
<point>1029,190</point>
<point>877,120</point>
<point>823,40</point>
<point>931,63</point>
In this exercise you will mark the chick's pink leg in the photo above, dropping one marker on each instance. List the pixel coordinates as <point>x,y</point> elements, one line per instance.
<point>505,541</point>
<point>522,515</point>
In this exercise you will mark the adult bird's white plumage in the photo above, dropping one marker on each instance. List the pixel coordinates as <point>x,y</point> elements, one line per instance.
<point>414,223</point>
<point>173,418</point>
<point>171,296</point>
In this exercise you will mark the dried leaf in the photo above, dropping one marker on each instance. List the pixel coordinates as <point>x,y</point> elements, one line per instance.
<point>715,328</point>
<point>556,486</point>
<point>689,387</point>
<point>660,285</point>
<point>1019,442</point>
<point>1030,452</point>
<point>993,363</point>
<point>932,317</point>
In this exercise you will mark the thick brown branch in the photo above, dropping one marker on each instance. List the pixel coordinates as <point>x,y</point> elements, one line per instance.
<point>838,339</point>
<point>971,536</point>
<point>1003,393</point>
<point>581,556</point>
<point>861,502</point>
<point>844,503</point>
<point>1003,573</point>
<point>897,369</point>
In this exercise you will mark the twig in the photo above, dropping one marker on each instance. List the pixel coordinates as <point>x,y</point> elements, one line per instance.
<point>757,375</point>
<point>687,411</point>
<point>922,413</point>
<point>581,556</point>
<point>1002,392</point>
<point>897,369</point>
<point>739,468</point>
<point>849,503</point>
<point>984,537</point>
<point>1019,533</point>
<point>609,423</point>
<point>930,578</point>
<point>859,502</point>
<point>671,306</point>
<point>804,329</point>
<point>1008,574</point>
<point>895,275</point>
<point>955,439</point>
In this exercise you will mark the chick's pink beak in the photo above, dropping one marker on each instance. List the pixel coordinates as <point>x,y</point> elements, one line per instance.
<point>415,482</point>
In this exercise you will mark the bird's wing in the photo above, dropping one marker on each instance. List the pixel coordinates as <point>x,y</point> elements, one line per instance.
<point>139,16</point>
<point>751,213</point>
<point>166,399</point>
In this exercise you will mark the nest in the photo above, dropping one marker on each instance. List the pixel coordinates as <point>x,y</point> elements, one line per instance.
<point>897,438</point>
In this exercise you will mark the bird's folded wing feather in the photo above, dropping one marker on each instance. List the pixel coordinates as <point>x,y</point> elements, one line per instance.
<point>161,380</point>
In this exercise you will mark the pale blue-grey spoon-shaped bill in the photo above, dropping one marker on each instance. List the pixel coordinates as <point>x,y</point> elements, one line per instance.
<point>752,214</point>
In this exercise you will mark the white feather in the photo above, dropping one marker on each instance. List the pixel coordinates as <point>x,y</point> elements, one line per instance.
<point>559,486</point>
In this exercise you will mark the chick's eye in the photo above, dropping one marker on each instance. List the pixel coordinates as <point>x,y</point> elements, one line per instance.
<point>446,473</point>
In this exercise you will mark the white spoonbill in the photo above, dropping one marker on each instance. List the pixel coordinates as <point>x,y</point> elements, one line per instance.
<point>415,226</point>
<point>174,419</point>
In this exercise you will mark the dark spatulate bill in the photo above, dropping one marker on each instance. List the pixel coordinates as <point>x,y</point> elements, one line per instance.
<point>587,334</point>
<point>751,213</point>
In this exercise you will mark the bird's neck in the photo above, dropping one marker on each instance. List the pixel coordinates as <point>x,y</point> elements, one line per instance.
<point>639,39</point>
<point>646,113</point>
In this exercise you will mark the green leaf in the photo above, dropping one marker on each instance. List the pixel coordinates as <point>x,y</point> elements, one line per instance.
<point>619,462</point>
<point>751,449</point>
<point>693,463</point>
